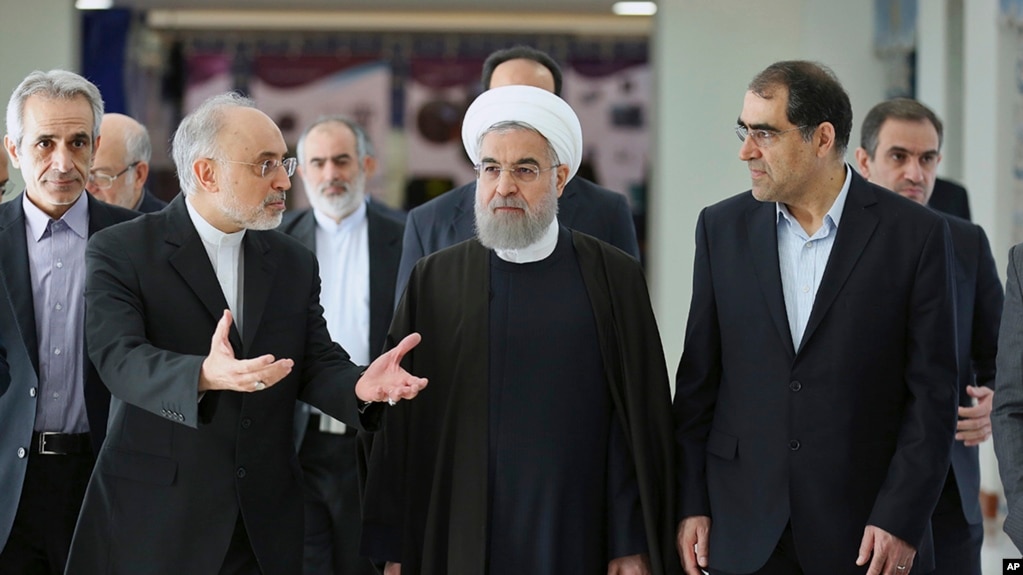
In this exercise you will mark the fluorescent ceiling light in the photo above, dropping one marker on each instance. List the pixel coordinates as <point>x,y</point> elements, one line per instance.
<point>94,4</point>
<point>634,8</point>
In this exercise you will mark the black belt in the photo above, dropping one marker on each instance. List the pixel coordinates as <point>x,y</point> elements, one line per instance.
<point>314,425</point>
<point>51,443</point>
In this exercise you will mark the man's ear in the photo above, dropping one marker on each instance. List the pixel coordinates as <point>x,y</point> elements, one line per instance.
<point>562,178</point>
<point>369,166</point>
<point>863,162</point>
<point>141,173</point>
<point>206,174</point>
<point>12,152</point>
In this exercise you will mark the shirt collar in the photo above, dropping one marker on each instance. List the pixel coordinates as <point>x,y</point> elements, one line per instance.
<point>536,251</point>
<point>834,214</point>
<point>210,234</point>
<point>347,223</point>
<point>76,217</point>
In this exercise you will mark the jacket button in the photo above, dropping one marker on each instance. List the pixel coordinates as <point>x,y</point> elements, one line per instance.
<point>794,445</point>
<point>241,472</point>
<point>795,386</point>
<point>32,392</point>
<point>246,423</point>
<point>22,453</point>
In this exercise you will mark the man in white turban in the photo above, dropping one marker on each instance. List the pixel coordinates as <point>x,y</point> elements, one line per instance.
<point>545,444</point>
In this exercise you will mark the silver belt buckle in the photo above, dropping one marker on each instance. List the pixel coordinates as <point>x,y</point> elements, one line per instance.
<point>42,443</point>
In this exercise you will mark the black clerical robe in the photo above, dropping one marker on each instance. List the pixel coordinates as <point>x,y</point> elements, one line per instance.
<point>426,501</point>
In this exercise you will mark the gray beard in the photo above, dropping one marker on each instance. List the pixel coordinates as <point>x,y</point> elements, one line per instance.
<point>339,206</point>
<point>256,218</point>
<point>514,232</point>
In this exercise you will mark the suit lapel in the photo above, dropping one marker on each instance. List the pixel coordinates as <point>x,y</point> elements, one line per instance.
<point>15,274</point>
<point>463,224</point>
<point>854,230</point>
<point>260,270</point>
<point>384,255</point>
<point>304,230</point>
<point>762,227</point>
<point>190,259</point>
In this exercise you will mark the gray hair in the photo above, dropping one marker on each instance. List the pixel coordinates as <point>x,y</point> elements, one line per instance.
<point>515,125</point>
<point>137,148</point>
<point>196,136</point>
<point>363,146</point>
<point>57,85</point>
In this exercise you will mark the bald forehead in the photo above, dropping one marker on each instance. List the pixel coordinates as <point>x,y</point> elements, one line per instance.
<point>250,132</point>
<point>522,72</point>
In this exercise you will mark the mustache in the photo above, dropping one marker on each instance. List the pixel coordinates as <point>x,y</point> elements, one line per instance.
<point>274,198</point>
<point>507,202</point>
<point>346,186</point>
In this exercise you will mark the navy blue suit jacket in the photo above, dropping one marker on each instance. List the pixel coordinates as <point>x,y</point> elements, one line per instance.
<point>979,299</point>
<point>852,427</point>
<point>449,219</point>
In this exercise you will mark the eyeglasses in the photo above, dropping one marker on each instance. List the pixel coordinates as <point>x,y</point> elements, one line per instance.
<point>268,167</point>
<point>103,181</point>
<point>762,138</point>
<point>523,173</point>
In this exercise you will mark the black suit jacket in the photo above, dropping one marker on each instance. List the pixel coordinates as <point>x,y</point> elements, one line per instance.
<point>979,300</point>
<point>18,332</point>
<point>950,198</point>
<point>450,218</point>
<point>150,203</point>
<point>385,235</point>
<point>176,473</point>
<point>851,429</point>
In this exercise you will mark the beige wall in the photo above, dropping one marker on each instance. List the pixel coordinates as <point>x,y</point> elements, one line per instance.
<point>35,35</point>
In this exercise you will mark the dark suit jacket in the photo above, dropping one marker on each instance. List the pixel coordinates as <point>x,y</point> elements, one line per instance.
<point>851,429</point>
<point>150,203</point>
<point>175,472</point>
<point>951,198</point>
<point>384,254</point>
<point>978,313</point>
<point>450,218</point>
<point>18,332</point>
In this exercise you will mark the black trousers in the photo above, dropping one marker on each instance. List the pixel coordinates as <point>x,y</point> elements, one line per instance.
<point>240,558</point>
<point>333,518</point>
<point>47,513</point>
<point>956,543</point>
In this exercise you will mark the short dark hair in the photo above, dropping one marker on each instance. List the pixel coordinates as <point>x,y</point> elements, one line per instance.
<point>815,96</point>
<point>899,109</point>
<point>521,52</point>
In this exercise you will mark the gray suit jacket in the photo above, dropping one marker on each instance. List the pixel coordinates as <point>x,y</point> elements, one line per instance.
<point>18,332</point>
<point>384,254</point>
<point>1007,417</point>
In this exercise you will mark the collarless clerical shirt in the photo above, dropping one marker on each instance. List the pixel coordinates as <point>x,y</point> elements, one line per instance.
<point>225,252</point>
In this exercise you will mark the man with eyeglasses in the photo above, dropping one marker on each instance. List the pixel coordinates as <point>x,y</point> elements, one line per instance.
<point>448,219</point>
<point>358,247</point>
<point>55,412</point>
<point>900,149</point>
<point>121,167</point>
<point>816,396</point>
<point>207,327</point>
<point>545,443</point>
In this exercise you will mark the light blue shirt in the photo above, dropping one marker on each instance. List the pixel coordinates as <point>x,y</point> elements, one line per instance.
<point>803,259</point>
<point>56,256</point>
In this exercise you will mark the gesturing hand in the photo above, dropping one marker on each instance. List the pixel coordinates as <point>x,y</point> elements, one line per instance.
<point>386,380</point>
<point>220,369</point>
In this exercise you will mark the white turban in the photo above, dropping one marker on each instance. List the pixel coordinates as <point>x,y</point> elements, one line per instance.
<point>540,109</point>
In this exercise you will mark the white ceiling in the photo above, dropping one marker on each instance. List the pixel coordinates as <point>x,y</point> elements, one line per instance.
<point>523,7</point>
